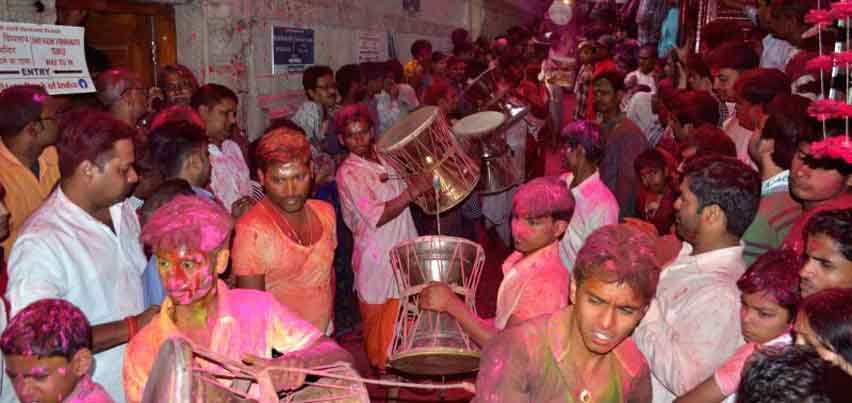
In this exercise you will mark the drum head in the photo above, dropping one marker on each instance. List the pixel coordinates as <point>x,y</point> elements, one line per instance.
<point>444,259</point>
<point>407,129</point>
<point>479,124</point>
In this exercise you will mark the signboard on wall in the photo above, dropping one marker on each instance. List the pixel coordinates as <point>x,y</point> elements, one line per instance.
<point>292,49</point>
<point>372,46</point>
<point>52,56</point>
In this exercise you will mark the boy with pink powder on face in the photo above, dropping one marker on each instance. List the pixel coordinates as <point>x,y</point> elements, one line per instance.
<point>48,352</point>
<point>535,282</point>
<point>190,237</point>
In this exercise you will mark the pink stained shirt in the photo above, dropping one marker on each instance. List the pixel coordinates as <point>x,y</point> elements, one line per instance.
<point>533,285</point>
<point>293,273</point>
<point>87,391</point>
<point>729,374</point>
<point>249,322</point>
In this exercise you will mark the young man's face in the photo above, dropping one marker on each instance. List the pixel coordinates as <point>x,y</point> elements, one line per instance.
<point>605,313</point>
<point>219,120</point>
<point>747,113</point>
<point>723,83</point>
<point>825,266</point>
<point>357,137</point>
<point>647,60</point>
<point>456,72</point>
<point>450,102</point>
<point>586,54</point>
<point>688,217</point>
<point>113,182</point>
<point>607,100</point>
<point>533,233</point>
<point>325,93</point>
<point>200,168</point>
<point>762,318</point>
<point>44,380</point>
<point>814,185</point>
<point>287,185</point>
<point>698,82</point>
<point>653,179</point>
<point>188,275</point>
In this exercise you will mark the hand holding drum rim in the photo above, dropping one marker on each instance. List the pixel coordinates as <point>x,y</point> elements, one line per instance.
<point>437,297</point>
<point>282,379</point>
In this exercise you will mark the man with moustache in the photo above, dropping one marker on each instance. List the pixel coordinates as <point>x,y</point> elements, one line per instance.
<point>693,325</point>
<point>83,246</point>
<point>581,353</point>
<point>285,243</point>
<point>190,237</point>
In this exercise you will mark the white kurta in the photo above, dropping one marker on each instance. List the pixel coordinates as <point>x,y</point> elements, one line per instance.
<point>362,197</point>
<point>693,324</point>
<point>594,207</point>
<point>63,252</point>
<point>741,136</point>
<point>229,176</point>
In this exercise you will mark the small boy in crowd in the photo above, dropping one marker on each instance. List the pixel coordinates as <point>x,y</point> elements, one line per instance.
<point>655,200</point>
<point>48,352</point>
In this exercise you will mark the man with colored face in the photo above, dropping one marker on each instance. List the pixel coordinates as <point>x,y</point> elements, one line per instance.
<point>229,180</point>
<point>828,252</point>
<point>48,352</point>
<point>693,324</point>
<point>177,83</point>
<point>190,237</point>
<point>82,244</point>
<point>535,282</point>
<point>375,208</point>
<point>285,243</point>
<point>123,94</point>
<point>581,353</point>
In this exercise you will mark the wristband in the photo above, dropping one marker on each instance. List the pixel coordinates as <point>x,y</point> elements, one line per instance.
<point>131,326</point>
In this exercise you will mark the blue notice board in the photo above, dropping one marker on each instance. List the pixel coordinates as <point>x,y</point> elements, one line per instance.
<point>292,49</point>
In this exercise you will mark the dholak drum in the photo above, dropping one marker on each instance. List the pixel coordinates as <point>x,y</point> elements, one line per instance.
<point>482,94</point>
<point>181,375</point>
<point>425,342</point>
<point>483,136</point>
<point>423,143</point>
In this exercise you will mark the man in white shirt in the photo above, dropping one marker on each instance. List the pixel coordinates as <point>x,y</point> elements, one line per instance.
<point>595,206</point>
<point>83,246</point>
<point>693,325</point>
<point>229,179</point>
<point>375,208</point>
<point>644,75</point>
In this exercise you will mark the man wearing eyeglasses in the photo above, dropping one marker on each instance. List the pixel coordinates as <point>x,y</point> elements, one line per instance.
<point>123,94</point>
<point>29,166</point>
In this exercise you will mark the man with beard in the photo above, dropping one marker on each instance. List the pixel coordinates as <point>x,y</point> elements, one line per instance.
<point>581,353</point>
<point>693,325</point>
<point>285,243</point>
<point>190,237</point>
<point>83,246</point>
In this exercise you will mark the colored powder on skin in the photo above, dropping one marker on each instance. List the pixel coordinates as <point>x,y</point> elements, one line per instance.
<point>184,287</point>
<point>541,197</point>
<point>48,327</point>
<point>283,145</point>
<point>188,221</point>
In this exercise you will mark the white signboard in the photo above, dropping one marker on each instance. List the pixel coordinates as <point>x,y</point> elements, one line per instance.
<point>52,56</point>
<point>372,46</point>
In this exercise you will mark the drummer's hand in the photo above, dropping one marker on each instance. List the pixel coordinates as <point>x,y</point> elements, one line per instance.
<point>281,379</point>
<point>420,184</point>
<point>437,297</point>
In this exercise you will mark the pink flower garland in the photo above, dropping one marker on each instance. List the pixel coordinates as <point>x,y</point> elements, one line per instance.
<point>820,63</point>
<point>841,10</point>
<point>837,147</point>
<point>825,109</point>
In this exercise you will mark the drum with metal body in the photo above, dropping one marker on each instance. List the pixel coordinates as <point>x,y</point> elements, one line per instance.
<point>425,342</point>
<point>483,138</point>
<point>422,143</point>
<point>182,375</point>
<point>483,94</point>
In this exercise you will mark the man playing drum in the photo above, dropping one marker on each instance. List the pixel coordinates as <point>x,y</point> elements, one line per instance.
<point>535,281</point>
<point>375,207</point>
<point>582,353</point>
<point>189,236</point>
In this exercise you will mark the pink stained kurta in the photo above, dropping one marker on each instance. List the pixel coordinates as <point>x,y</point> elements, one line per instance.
<point>300,277</point>
<point>249,322</point>
<point>533,285</point>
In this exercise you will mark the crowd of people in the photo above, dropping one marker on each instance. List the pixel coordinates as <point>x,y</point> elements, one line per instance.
<point>692,241</point>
